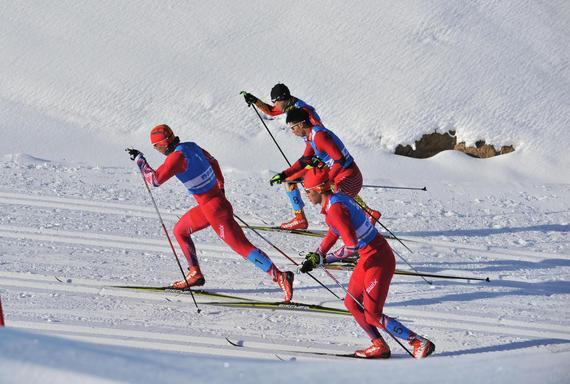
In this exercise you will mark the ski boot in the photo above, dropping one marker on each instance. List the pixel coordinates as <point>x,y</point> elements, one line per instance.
<point>194,278</point>
<point>422,347</point>
<point>285,282</point>
<point>378,350</point>
<point>298,222</point>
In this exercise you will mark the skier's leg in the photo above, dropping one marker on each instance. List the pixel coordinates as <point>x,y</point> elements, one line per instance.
<point>377,281</point>
<point>379,270</point>
<point>378,278</point>
<point>356,290</point>
<point>350,183</point>
<point>297,203</point>
<point>219,213</point>
<point>379,349</point>
<point>192,221</point>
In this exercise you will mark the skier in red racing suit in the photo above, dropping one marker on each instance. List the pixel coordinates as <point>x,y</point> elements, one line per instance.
<point>324,149</point>
<point>370,281</point>
<point>201,175</point>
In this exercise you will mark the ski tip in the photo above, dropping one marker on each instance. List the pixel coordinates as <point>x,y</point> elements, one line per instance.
<point>487,280</point>
<point>238,343</point>
<point>424,189</point>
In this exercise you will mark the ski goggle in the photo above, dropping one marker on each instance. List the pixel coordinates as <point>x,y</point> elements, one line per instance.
<point>295,125</point>
<point>325,185</point>
<point>279,98</point>
<point>162,143</point>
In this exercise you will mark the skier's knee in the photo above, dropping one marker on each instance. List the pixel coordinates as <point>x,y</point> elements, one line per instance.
<point>180,231</point>
<point>351,305</point>
<point>373,318</point>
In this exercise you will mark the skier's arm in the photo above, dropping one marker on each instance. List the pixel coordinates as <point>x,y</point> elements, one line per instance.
<point>302,162</point>
<point>217,170</point>
<point>174,163</point>
<point>325,143</point>
<point>327,243</point>
<point>271,110</point>
<point>339,217</point>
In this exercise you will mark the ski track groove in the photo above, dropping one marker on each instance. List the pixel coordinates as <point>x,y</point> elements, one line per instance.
<point>208,345</point>
<point>430,318</point>
<point>133,210</point>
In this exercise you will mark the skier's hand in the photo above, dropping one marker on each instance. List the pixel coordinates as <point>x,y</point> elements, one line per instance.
<point>277,179</point>
<point>249,98</point>
<point>312,260</point>
<point>317,163</point>
<point>133,153</point>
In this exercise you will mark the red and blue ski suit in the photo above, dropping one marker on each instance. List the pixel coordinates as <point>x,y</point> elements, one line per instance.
<point>370,281</point>
<point>274,110</point>
<point>325,145</point>
<point>201,175</point>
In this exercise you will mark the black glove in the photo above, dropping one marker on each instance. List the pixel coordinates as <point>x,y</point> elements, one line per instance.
<point>317,163</point>
<point>133,153</point>
<point>277,179</point>
<point>312,260</point>
<point>249,98</point>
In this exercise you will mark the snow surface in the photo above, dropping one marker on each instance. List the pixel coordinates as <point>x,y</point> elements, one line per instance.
<point>82,80</point>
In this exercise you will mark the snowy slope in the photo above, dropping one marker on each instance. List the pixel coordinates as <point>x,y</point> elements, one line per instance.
<point>381,73</point>
<point>81,80</point>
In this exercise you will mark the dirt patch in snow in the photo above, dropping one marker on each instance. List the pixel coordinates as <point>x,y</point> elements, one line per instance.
<point>433,143</point>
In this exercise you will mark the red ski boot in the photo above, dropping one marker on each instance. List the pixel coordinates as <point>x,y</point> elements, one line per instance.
<point>299,222</point>
<point>194,278</point>
<point>285,281</point>
<point>378,350</point>
<point>422,347</point>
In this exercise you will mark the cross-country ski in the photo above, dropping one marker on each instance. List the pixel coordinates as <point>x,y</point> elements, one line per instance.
<point>232,192</point>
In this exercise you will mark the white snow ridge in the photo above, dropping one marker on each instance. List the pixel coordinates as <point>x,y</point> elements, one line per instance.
<point>82,80</point>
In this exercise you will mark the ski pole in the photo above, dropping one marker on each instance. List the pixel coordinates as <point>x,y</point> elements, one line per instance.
<point>389,187</point>
<point>283,253</point>
<point>347,266</point>
<point>1,314</point>
<point>365,209</point>
<point>364,309</point>
<point>268,131</point>
<point>438,276</point>
<point>170,241</point>
<point>297,181</point>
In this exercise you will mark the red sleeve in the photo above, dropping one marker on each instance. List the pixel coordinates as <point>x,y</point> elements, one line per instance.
<point>328,242</point>
<point>339,218</point>
<point>302,162</point>
<point>216,166</point>
<point>173,164</point>
<point>271,110</point>
<point>326,144</point>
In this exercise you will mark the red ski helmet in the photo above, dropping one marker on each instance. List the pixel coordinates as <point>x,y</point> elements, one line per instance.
<point>161,134</point>
<point>317,179</point>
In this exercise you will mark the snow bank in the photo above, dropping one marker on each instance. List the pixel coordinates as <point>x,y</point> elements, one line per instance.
<point>81,80</point>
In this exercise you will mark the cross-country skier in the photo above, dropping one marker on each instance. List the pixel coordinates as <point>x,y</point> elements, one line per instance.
<point>283,102</point>
<point>324,147</point>
<point>201,175</point>
<point>371,278</point>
